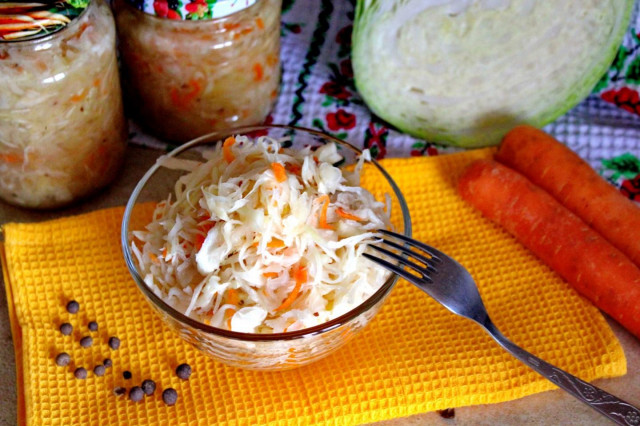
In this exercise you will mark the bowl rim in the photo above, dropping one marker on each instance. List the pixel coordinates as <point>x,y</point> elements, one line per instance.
<point>254,337</point>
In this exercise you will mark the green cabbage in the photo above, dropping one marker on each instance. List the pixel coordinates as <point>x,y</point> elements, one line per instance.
<point>464,72</point>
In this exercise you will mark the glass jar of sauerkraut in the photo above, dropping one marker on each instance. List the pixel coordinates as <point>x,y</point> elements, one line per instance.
<point>62,126</point>
<point>195,67</point>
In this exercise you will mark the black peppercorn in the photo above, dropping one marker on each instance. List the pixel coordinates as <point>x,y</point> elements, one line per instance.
<point>99,370</point>
<point>170,396</point>
<point>63,359</point>
<point>80,373</point>
<point>148,386</point>
<point>73,307</point>
<point>136,394</point>
<point>448,413</point>
<point>66,328</point>
<point>119,391</point>
<point>114,343</point>
<point>183,371</point>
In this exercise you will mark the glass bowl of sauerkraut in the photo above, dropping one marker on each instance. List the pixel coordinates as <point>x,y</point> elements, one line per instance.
<point>248,243</point>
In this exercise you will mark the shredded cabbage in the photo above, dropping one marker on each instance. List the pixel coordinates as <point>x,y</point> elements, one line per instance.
<point>269,242</point>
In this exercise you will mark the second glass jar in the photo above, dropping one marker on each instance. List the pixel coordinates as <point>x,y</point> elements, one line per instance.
<point>186,78</point>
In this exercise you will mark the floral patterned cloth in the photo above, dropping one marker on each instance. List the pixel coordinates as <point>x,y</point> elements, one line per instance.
<point>318,91</point>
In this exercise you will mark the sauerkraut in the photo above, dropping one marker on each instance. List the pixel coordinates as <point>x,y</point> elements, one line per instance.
<point>186,78</point>
<point>62,126</point>
<point>260,239</point>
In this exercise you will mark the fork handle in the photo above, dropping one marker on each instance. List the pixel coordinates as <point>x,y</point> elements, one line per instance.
<point>610,406</point>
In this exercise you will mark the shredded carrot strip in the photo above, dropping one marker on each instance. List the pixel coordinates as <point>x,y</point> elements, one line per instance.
<point>270,274</point>
<point>275,243</point>
<point>272,60</point>
<point>279,172</point>
<point>322,221</point>
<point>204,230</point>
<point>259,23</point>
<point>300,276</point>
<point>258,72</point>
<point>11,158</point>
<point>154,258</point>
<point>231,26</point>
<point>176,99</point>
<point>348,215</point>
<point>295,169</point>
<point>183,100</point>
<point>199,241</point>
<point>80,96</point>
<point>226,149</point>
<point>196,88</point>
<point>164,253</point>
<point>232,296</point>
<point>96,82</point>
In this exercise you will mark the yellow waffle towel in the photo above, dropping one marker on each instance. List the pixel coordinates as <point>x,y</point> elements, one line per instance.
<point>414,357</point>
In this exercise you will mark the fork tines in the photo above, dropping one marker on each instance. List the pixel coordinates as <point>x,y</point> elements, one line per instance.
<point>410,255</point>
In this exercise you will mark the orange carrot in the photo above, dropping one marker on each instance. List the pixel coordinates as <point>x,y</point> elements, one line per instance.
<point>226,149</point>
<point>231,26</point>
<point>258,72</point>
<point>272,60</point>
<point>203,229</point>
<point>294,168</point>
<point>11,158</point>
<point>346,215</point>
<point>300,276</point>
<point>322,220</point>
<point>279,172</point>
<point>259,23</point>
<point>232,297</point>
<point>270,274</point>
<point>567,177</point>
<point>80,96</point>
<point>580,255</point>
<point>183,100</point>
<point>275,243</point>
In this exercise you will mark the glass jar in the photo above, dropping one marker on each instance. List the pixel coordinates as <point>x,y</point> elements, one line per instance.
<point>62,127</point>
<point>183,78</point>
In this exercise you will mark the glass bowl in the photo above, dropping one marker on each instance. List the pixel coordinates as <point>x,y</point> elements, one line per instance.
<point>276,351</point>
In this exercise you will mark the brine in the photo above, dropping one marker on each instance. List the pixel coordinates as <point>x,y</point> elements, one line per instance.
<point>62,127</point>
<point>191,75</point>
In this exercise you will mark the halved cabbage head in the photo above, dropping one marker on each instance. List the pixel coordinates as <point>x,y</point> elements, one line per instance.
<point>464,72</point>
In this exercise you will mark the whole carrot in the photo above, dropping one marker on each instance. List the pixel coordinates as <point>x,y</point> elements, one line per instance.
<point>595,268</point>
<point>563,174</point>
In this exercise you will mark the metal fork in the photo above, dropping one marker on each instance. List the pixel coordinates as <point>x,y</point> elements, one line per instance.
<point>449,283</point>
